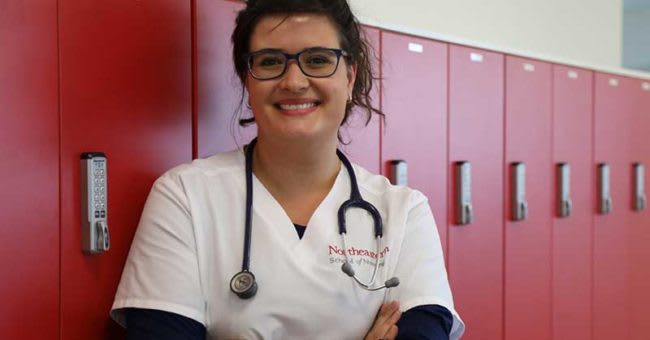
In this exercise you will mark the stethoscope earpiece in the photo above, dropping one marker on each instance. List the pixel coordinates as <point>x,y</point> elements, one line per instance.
<point>243,285</point>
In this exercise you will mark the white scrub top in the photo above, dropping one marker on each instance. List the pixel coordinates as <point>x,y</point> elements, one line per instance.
<point>189,244</point>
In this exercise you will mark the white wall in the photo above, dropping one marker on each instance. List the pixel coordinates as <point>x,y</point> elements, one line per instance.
<point>585,32</point>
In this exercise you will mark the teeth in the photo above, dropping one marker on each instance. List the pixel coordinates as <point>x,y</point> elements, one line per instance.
<point>297,107</point>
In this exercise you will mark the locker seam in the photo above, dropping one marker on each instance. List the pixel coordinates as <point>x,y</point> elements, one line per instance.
<point>60,140</point>
<point>553,206</point>
<point>194,86</point>
<point>450,202</point>
<point>504,199</point>
<point>382,119</point>
<point>591,195</point>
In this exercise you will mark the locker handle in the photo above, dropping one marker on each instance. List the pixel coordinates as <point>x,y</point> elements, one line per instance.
<point>641,202</point>
<point>523,211</point>
<point>606,205</point>
<point>467,215</point>
<point>567,207</point>
<point>604,194</point>
<point>103,241</point>
<point>518,187</point>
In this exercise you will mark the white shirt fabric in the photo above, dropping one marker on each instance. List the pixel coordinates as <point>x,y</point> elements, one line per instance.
<point>189,244</point>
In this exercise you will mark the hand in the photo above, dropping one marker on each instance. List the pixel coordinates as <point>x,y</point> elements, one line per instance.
<point>385,326</point>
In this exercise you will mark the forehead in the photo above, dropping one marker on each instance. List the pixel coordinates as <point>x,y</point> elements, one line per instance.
<point>294,33</point>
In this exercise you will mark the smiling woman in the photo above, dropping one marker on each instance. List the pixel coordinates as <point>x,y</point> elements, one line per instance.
<point>304,65</point>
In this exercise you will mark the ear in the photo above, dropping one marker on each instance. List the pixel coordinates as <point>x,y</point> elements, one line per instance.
<point>352,76</point>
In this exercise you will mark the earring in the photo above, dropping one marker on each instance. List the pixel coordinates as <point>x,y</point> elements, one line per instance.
<point>350,98</point>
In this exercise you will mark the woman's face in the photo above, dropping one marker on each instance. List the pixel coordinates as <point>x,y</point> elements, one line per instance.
<point>294,106</point>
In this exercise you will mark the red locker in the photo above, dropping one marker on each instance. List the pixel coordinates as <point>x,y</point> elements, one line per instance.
<point>126,91</point>
<point>528,242</point>
<point>639,237</point>
<point>364,140</point>
<point>476,81</point>
<point>218,90</point>
<point>29,171</point>
<point>572,235</point>
<point>613,146</point>
<point>414,99</point>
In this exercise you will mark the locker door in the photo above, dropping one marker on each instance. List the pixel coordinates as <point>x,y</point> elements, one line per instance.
<point>528,242</point>
<point>29,171</point>
<point>639,237</point>
<point>572,235</point>
<point>612,146</point>
<point>414,98</point>
<point>364,140</point>
<point>476,135</point>
<point>218,90</point>
<point>126,91</point>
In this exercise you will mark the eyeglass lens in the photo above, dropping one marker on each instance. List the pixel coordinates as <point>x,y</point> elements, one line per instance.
<point>313,62</point>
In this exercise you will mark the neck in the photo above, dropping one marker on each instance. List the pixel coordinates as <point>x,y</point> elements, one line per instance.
<point>290,167</point>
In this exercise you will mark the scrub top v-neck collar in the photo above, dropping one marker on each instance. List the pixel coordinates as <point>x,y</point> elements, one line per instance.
<point>268,208</point>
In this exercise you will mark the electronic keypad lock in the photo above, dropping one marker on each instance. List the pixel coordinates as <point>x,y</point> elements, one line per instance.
<point>463,184</point>
<point>564,190</point>
<point>640,200</point>
<point>604,193</point>
<point>518,193</point>
<point>94,203</point>
<point>398,172</point>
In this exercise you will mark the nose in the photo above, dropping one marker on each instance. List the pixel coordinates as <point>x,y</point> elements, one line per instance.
<point>293,79</point>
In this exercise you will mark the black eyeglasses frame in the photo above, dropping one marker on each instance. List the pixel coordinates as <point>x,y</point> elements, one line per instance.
<point>248,57</point>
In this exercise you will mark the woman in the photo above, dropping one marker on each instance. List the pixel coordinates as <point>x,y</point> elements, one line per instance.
<point>304,66</point>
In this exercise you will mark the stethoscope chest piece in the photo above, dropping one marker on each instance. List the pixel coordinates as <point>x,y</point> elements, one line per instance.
<point>243,284</point>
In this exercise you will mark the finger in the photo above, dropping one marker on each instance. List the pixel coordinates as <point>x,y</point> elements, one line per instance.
<point>384,322</point>
<point>386,311</point>
<point>394,317</point>
<point>392,333</point>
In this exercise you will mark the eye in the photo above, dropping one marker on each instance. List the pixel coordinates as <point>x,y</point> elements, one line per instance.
<point>318,59</point>
<point>268,61</point>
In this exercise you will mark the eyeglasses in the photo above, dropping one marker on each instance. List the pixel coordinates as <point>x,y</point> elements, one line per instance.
<point>315,62</point>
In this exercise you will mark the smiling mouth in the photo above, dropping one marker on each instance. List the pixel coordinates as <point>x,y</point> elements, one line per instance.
<point>294,107</point>
<point>297,107</point>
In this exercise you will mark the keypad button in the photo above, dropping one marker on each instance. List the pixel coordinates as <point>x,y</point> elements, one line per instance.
<point>97,214</point>
<point>103,214</point>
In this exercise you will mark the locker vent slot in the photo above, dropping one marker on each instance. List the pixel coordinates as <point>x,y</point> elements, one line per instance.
<point>417,48</point>
<point>529,67</point>
<point>476,57</point>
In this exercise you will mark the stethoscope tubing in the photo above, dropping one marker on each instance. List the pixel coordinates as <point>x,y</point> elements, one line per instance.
<point>243,283</point>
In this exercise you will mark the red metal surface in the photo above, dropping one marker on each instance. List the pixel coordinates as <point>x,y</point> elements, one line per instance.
<point>572,236</point>
<point>414,98</point>
<point>126,91</point>
<point>476,135</point>
<point>613,145</point>
<point>29,171</point>
<point>528,242</point>
<point>364,140</point>
<point>639,233</point>
<point>218,88</point>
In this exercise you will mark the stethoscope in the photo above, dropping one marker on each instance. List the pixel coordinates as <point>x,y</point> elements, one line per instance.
<point>243,284</point>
